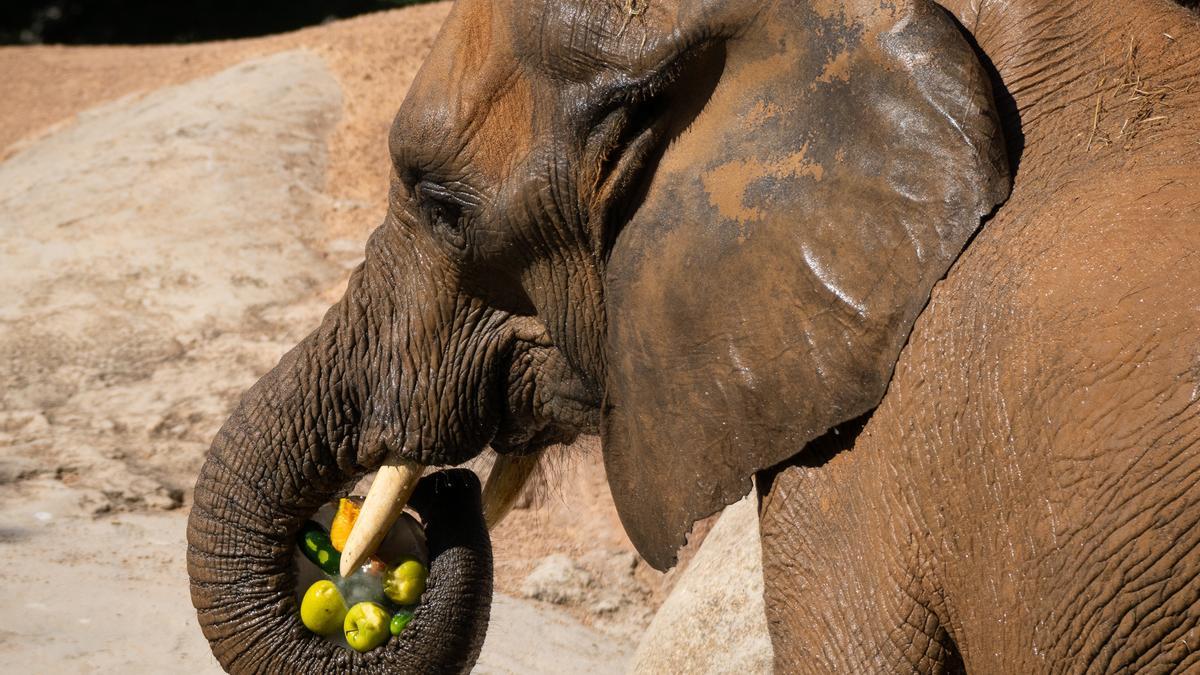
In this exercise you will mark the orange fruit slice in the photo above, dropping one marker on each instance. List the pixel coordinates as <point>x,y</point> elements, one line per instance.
<point>343,522</point>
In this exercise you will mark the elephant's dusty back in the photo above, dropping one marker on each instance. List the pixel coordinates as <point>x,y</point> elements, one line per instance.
<point>1055,376</point>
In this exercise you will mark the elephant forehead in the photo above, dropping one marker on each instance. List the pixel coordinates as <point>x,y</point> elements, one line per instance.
<point>575,40</point>
<point>470,99</point>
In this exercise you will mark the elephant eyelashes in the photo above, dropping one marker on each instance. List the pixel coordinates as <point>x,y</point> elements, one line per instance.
<point>442,210</point>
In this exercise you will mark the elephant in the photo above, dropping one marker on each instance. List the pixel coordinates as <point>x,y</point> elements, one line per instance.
<point>922,275</point>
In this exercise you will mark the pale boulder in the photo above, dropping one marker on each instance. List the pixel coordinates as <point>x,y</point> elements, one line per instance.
<point>714,621</point>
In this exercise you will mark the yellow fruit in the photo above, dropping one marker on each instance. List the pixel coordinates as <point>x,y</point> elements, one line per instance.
<point>323,610</point>
<point>343,522</point>
<point>366,626</point>
<point>405,582</point>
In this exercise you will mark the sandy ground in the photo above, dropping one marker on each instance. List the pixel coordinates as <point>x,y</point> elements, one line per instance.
<point>172,219</point>
<point>110,595</point>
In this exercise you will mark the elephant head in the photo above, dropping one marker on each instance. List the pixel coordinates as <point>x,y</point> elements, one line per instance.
<point>700,228</point>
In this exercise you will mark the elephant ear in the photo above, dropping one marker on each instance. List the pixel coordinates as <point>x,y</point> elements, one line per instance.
<point>787,241</point>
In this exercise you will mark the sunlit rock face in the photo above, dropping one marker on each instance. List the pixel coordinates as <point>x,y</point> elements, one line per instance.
<point>714,621</point>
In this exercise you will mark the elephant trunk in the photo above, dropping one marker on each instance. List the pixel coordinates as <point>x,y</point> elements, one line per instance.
<point>292,444</point>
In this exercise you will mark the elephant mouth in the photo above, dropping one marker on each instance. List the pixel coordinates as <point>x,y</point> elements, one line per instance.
<point>542,403</point>
<point>254,624</point>
<point>432,499</point>
<point>259,484</point>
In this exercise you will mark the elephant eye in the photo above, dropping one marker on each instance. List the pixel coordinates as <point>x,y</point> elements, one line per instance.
<point>443,215</point>
<point>442,211</point>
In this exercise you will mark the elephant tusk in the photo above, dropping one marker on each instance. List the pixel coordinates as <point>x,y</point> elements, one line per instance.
<point>385,501</point>
<point>504,484</point>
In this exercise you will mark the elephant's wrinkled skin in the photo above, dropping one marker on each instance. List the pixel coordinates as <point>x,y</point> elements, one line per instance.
<point>705,229</point>
<point>1026,497</point>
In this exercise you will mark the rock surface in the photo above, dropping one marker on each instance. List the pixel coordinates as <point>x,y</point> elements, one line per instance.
<point>525,639</point>
<point>110,595</point>
<point>159,240</point>
<point>714,619</point>
<point>557,580</point>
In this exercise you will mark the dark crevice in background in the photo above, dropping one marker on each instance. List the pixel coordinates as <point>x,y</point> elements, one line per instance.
<point>157,21</point>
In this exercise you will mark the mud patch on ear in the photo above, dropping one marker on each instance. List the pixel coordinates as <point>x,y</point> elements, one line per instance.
<point>838,69</point>
<point>740,188</point>
<point>763,291</point>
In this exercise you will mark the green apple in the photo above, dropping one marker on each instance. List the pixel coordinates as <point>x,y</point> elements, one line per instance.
<point>322,610</point>
<point>400,621</point>
<point>366,626</point>
<point>405,582</point>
